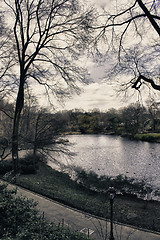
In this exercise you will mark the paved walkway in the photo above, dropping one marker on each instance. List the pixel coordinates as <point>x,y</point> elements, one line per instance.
<point>77,220</point>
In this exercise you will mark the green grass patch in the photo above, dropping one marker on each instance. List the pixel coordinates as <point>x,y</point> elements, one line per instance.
<point>149,137</point>
<point>60,187</point>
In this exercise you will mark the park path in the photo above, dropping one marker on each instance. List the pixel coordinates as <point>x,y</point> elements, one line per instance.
<point>86,223</point>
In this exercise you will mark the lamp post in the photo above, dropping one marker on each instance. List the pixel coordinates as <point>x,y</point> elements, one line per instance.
<point>111,193</point>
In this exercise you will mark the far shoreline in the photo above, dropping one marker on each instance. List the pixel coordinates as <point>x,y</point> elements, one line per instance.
<point>145,137</point>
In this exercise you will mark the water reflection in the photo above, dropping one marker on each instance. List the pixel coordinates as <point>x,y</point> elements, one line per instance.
<point>112,155</point>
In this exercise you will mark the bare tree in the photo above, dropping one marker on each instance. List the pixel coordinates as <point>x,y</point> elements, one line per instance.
<point>5,60</point>
<point>6,117</point>
<point>131,29</point>
<point>45,140</point>
<point>153,111</point>
<point>45,39</point>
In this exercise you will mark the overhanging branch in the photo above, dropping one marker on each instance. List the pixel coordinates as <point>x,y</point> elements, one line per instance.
<point>149,16</point>
<point>138,83</point>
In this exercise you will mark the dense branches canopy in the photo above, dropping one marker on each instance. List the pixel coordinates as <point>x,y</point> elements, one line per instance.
<point>131,29</point>
<point>42,43</point>
<point>45,39</point>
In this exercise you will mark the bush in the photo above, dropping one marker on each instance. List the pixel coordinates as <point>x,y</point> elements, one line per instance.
<point>123,184</point>
<point>29,164</point>
<point>26,166</point>
<point>20,220</point>
<point>5,167</point>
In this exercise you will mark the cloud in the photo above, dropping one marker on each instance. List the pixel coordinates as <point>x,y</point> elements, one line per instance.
<point>96,95</point>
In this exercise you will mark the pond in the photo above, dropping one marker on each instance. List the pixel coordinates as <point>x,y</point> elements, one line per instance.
<point>114,155</point>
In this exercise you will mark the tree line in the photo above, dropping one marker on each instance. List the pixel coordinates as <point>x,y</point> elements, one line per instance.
<point>42,131</point>
<point>127,121</point>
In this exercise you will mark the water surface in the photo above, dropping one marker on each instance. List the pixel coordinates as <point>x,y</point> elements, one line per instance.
<point>114,155</point>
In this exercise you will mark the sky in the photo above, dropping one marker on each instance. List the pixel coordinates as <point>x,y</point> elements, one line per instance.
<point>101,93</point>
<point>98,95</point>
<point>104,96</point>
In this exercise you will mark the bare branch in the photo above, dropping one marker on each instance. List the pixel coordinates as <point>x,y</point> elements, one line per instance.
<point>4,111</point>
<point>138,83</point>
<point>149,16</point>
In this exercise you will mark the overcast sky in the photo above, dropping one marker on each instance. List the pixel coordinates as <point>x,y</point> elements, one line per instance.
<point>100,93</point>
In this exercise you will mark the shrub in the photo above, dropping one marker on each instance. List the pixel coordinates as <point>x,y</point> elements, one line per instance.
<point>20,220</point>
<point>123,184</point>
<point>26,166</point>
<point>29,164</point>
<point>5,167</point>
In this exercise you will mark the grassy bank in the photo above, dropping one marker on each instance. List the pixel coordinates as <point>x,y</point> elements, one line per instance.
<point>149,137</point>
<point>60,187</point>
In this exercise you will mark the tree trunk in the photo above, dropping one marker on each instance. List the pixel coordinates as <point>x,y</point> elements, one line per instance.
<point>18,109</point>
<point>35,142</point>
